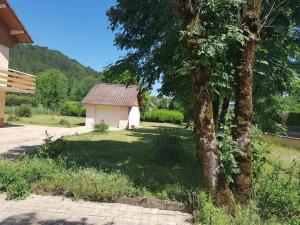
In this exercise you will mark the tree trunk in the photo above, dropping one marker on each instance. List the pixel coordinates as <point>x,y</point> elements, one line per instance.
<point>204,128</point>
<point>224,111</point>
<point>216,109</point>
<point>207,152</point>
<point>250,19</point>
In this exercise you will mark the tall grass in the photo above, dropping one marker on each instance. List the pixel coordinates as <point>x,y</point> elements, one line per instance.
<point>40,110</point>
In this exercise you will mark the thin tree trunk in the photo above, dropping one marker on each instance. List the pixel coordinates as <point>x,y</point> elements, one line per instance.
<point>250,18</point>
<point>224,111</point>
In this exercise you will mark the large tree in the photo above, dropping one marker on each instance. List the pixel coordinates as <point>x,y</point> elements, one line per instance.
<point>270,21</point>
<point>52,88</point>
<point>187,40</point>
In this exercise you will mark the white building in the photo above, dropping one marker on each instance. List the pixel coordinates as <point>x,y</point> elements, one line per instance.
<point>117,105</point>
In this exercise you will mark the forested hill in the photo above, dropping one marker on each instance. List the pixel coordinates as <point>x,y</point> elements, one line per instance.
<point>35,59</point>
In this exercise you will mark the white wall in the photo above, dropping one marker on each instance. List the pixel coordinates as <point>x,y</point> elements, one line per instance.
<point>90,115</point>
<point>114,116</point>
<point>4,57</point>
<point>134,117</point>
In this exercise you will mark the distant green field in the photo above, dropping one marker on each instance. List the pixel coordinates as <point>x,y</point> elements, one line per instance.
<point>51,120</point>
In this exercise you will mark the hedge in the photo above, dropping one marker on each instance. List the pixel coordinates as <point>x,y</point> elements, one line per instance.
<point>17,100</point>
<point>293,119</point>
<point>163,116</point>
<point>73,109</point>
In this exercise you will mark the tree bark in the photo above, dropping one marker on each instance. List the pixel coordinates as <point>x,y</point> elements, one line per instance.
<point>207,152</point>
<point>216,109</point>
<point>250,19</point>
<point>224,111</point>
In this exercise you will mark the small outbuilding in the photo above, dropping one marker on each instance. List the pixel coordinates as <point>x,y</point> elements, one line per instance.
<point>115,104</point>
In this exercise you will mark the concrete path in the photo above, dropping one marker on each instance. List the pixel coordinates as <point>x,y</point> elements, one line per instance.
<point>17,139</point>
<point>57,210</point>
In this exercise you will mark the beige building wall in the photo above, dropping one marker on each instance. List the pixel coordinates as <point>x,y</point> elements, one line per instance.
<point>134,117</point>
<point>4,57</point>
<point>114,116</point>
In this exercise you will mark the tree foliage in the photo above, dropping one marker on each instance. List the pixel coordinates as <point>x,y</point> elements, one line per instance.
<point>52,88</point>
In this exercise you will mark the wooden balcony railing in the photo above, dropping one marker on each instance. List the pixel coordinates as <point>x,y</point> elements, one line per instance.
<point>16,81</point>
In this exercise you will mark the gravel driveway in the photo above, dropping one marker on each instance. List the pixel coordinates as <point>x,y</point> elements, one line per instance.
<point>17,139</point>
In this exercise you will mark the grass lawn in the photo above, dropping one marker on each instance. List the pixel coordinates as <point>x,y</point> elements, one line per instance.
<point>133,153</point>
<point>51,120</point>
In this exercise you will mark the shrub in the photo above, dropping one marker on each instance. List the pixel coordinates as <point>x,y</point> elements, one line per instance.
<point>23,111</point>
<point>277,193</point>
<point>168,146</point>
<point>64,122</point>
<point>229,151</point>
<point>208,214</point>
<point>163,116</point>
<point>17,100</point>
<point>73,109</point>
<point>12,118</point>
<point>293,119</point>
<point>50,148</point>
<point>101,128</point>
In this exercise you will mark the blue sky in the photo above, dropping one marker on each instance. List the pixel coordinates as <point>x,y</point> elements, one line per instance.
<point>77,28</point>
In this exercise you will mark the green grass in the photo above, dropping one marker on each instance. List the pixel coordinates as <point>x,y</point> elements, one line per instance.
<point>104,167</point>
<point>133,153</point>
<point>51,120</point>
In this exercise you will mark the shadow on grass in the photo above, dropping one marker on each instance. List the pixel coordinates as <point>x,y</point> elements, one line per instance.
<point>136,157</point>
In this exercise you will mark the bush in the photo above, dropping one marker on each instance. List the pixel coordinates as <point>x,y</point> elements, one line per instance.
<point>50,148</point>
<point>208,214</point>
<point>17,100</point>
<point>73,109</point>
<point>293,119</point>
<point>163,116</point>
<point>168,146</point>
<point>12,118</point>
<point>101,128</point>
<point>277,193</point>
<point>23,111</point>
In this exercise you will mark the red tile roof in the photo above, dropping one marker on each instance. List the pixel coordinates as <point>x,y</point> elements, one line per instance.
<point>112,94</point>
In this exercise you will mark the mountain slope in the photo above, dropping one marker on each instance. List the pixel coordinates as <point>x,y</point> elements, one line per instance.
<point>35,59</point>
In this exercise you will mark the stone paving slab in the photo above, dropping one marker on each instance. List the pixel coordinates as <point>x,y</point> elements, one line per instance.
<point>46,210</point>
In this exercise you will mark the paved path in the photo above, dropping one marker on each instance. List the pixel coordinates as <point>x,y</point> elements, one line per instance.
<point>57,210</point>
<point>22,138</point>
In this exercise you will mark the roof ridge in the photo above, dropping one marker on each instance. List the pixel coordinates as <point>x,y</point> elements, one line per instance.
<point>120,85</point>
